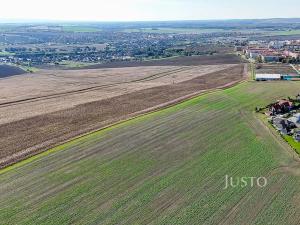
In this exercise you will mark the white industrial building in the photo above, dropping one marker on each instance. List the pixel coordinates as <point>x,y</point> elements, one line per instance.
<point>264,77</point>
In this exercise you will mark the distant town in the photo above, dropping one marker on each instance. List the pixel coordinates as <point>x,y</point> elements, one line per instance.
<point>274,60</point>
<point>287,51</point>
<point>76,45</point>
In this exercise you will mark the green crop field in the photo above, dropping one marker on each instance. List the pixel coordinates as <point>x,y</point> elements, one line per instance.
<point>4,53</point>
<point>70,28</point>
<point>286,33</point>
<point>175,30</point>
<point>167,167</point>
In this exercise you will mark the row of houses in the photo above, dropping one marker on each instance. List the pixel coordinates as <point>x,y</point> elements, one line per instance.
<point>293,46</point>
<point>290,49</point>
<point>292,54</point>
<point>272,52</point>
<point>285,118</point>
<point>263,54</point>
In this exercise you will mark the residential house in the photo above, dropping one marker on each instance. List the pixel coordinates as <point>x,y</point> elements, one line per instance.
<point>283,125</point>
<point>270,57</point>
<point>295,119</point>
<point>281,106</point>
<point>297,136</point>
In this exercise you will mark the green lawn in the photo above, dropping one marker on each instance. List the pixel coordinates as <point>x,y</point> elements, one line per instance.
<point>73,64</point>
<point>295,145</point>
<point>167,167</point>
<point>29,69</point>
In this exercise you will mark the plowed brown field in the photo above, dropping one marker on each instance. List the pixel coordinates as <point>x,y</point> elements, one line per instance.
<point>31,123</point>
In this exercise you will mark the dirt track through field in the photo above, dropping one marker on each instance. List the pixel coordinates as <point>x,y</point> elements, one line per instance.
<point>26,137</point>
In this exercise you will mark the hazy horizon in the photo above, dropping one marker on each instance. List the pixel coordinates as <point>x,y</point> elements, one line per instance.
<point>145,10</point>
<point>132,21</point>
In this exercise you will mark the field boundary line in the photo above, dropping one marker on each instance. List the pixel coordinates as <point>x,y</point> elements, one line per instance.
<point>298,72</point>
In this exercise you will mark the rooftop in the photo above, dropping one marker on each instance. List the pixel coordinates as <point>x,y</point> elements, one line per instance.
<point>268,76</point>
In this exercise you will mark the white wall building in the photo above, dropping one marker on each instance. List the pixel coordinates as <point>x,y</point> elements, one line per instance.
<point>265,77</point>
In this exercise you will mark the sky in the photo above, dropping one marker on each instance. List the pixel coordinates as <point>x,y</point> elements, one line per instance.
<point>147,10</point>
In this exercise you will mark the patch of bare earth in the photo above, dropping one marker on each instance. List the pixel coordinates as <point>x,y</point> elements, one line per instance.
<point>45,92</point>
<point>176,61</point>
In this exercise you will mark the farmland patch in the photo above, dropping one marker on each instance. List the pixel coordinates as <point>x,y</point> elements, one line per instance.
<point>7,71</point>
<point>164,168</point>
